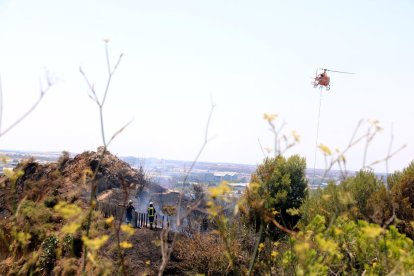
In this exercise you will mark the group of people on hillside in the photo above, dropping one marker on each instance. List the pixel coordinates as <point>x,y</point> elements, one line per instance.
<point>150,213</point>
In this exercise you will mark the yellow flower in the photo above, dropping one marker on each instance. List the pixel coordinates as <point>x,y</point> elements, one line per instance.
<point>147,262</point>
<point>270,117</point>
<point>95,244</point>
<point>71,228</point>
<point>109,220</point>
<point>325,150</point>
<point>326,245</point>
<point>302,247</point>
<point>220,190</point>
<point>372,231</point>
<point>296,136</point>
<point>125,244</point>
<point>376,124</point>
<point>23,237</point>
<point>127,229</point>
<point>261,246</point>
<point>67,210</point>
<point>293,211</point>
<point>337,231</point>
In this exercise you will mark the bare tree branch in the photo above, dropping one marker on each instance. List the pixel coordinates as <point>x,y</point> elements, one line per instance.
<point>110,72</point>
<point>93,95</point>
<point>261,147</point>
<point>91,87</point>
<point>388,157</point>
<point>30,110</point>
<point>372,130</point>
<point>389,148</point>
<point>165,249</point>
<point>119,131</point>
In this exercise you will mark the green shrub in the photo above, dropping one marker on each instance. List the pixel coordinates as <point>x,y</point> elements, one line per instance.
<point>277,187</point>
<point>402,191</point>
<point>362,186</point>
<point>360,197</point>
<point>67,245</point>
<point>48,256</point>
<point>350,247</point>
<point>63,159</point>
<point>35,213</point>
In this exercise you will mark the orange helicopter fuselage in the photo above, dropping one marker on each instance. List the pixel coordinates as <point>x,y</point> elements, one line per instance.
<point>323,79</point>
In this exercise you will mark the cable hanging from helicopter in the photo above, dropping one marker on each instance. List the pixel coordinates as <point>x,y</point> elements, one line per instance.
<point>322,80</point>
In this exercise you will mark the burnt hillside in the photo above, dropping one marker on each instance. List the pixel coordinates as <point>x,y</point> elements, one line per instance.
<point>66,179</point>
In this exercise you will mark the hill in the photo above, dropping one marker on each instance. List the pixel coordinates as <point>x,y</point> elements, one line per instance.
<point>31,191</point>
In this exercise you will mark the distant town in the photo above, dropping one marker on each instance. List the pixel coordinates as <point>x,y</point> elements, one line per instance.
<point>171,173</point>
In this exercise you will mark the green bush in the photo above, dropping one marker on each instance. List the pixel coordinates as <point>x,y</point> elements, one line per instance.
<point>362,186</point>
<point>350,247</point>
<point>402,191</point>
<point>277,187</point>
<point>363,196</point>
<point>34,220</point>
<point>48,256</point>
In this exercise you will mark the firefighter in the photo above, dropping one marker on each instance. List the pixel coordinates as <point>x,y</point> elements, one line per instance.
<point>129,211</point>
<point>151,213</point>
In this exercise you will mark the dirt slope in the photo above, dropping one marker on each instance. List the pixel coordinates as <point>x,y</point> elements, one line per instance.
<point>145,255</point>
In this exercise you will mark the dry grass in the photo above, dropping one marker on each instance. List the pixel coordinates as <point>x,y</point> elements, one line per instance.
<point>202,253</point>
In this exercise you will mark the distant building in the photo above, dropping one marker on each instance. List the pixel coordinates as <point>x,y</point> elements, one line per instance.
<point>225,176</point>
<point>241,186</point>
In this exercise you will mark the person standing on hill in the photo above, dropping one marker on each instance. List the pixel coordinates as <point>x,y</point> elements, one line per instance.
<point>151,214</point>
<point>129,210</point>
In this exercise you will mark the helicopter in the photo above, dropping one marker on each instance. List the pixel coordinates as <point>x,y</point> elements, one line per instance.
<point>322,79</point>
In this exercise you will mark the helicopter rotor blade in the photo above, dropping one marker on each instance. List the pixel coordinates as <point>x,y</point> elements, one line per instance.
<point>342,72</point>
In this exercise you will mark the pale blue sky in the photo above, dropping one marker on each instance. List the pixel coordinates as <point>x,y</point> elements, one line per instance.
<point>252,56</point>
